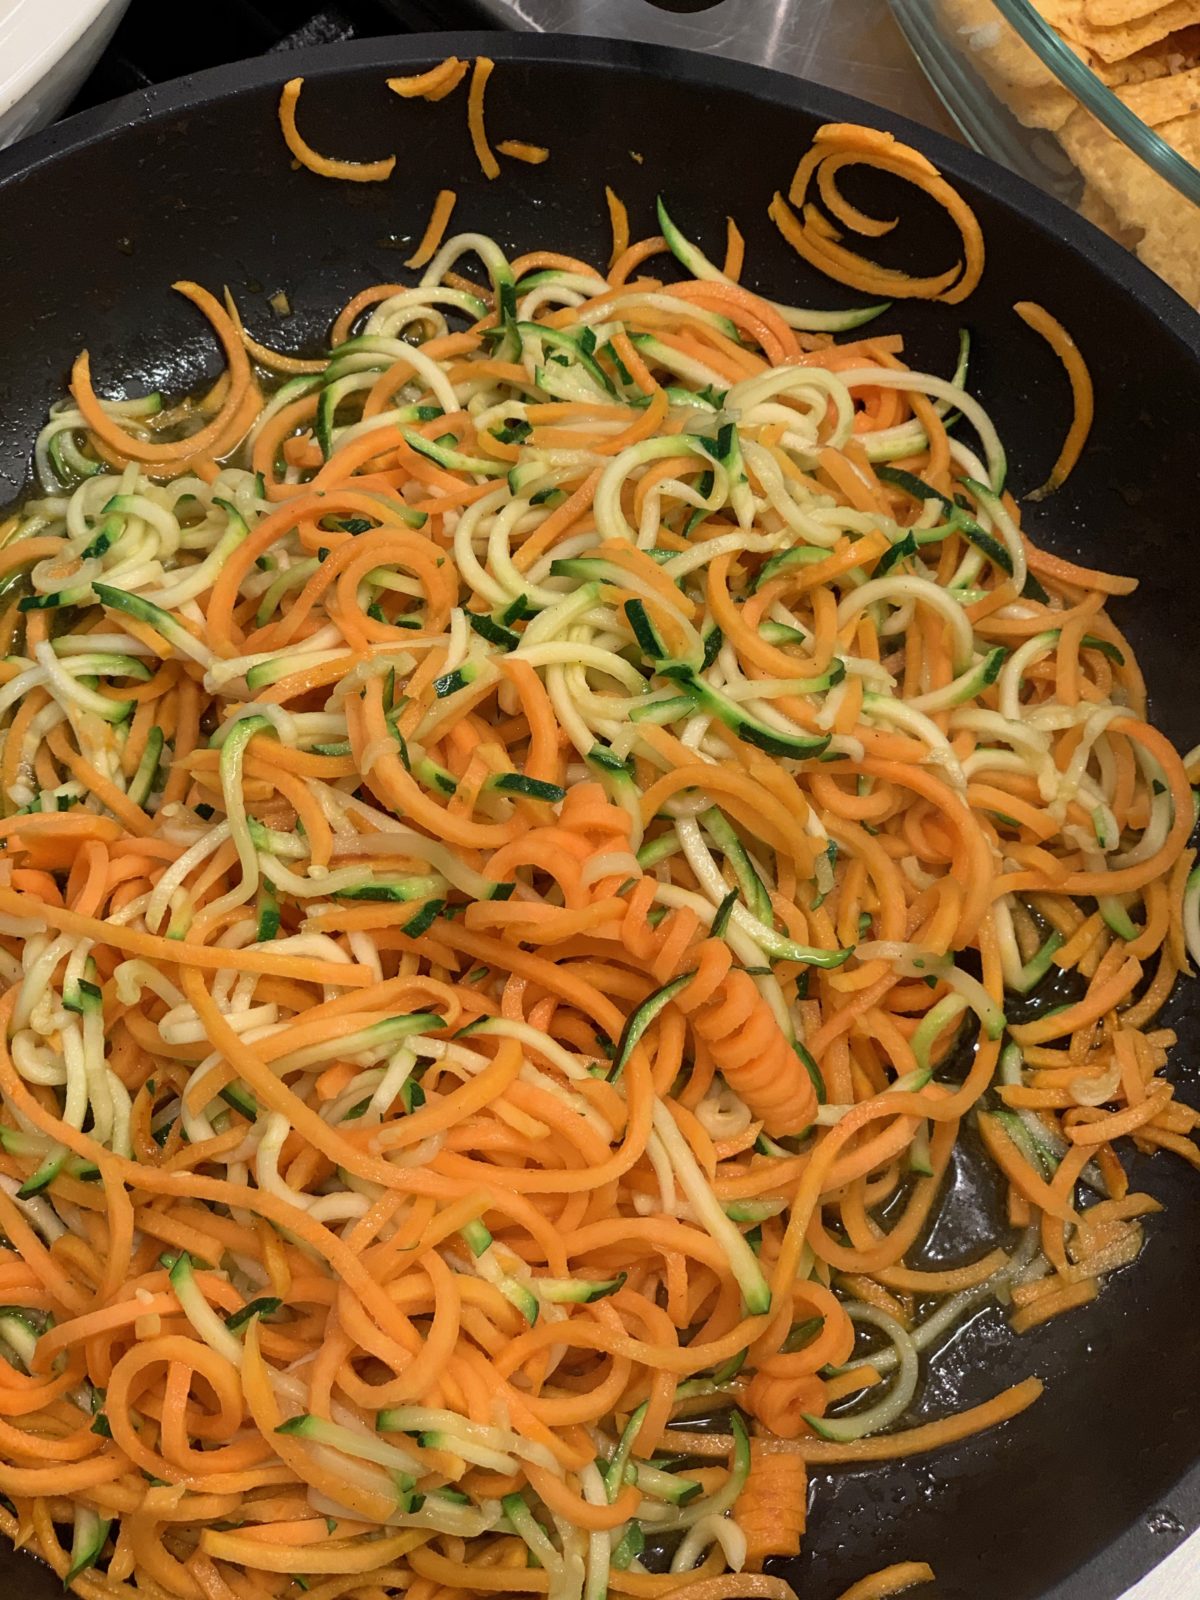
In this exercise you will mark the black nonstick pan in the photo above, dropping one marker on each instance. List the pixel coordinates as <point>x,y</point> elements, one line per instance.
<point>1080,1495</point>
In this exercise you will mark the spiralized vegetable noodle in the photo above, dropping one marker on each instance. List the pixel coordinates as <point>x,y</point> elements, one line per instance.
<point>525,849</point>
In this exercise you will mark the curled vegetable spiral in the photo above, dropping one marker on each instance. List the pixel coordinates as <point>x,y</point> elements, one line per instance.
<point>771,1507</point>
<point>724,1008</point>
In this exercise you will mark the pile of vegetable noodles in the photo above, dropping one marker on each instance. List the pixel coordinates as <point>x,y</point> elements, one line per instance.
<point>525,848</point>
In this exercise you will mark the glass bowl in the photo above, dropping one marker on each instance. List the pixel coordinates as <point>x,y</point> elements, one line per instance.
<point>1056,112</point>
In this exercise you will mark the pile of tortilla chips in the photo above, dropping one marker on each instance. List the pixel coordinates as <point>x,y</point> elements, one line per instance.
<point>1148,53</point>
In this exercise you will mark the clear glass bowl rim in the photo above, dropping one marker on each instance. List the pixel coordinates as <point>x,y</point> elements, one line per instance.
<point>1099,99</point>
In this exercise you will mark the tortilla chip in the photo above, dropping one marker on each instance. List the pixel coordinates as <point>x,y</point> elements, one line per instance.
<point>1183,133</point>
<point>1113,171</point>
<point>1094,208</point>
<point>1123,39</point>
<point>1068,20</point>
<point>992,47</point>
<point>1140,199</point>
<point>1160,100</point>
<point>1062,15</point>
<point>1174,253</point>
<point>1039,108</point>
<point>1149,53</point>
<point>1142,67</point>
<point>1108,13</point>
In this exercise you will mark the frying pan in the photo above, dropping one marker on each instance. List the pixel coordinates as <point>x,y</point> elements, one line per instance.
<point>1083,1493</point>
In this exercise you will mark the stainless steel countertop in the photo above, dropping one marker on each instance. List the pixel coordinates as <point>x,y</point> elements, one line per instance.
<point>1176,1578</point>
<point>845,44</point>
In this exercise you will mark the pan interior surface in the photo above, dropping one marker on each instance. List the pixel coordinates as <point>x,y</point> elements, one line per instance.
<point>194,182</point>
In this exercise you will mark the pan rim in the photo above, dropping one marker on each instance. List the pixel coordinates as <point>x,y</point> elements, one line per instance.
<point>1136,1549</point>
<point>23,160</point>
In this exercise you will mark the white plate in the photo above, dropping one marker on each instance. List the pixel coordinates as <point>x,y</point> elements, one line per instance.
<point>47,48</point>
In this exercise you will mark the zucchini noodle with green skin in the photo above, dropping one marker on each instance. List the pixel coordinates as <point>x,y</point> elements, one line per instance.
<point>522,851</point>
